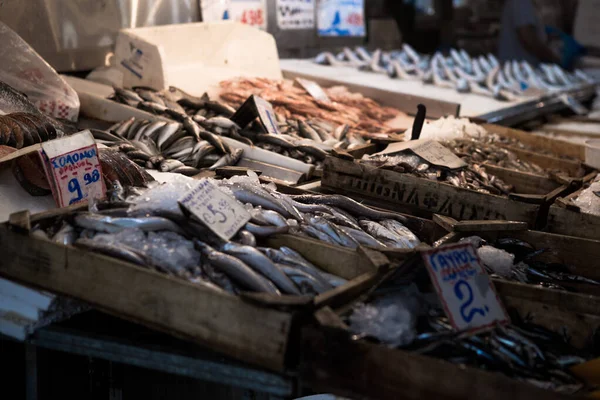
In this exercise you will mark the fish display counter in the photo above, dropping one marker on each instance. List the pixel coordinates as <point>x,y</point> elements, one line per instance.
<point>481,85</point>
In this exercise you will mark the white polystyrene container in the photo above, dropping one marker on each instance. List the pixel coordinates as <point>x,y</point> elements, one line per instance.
<point>592,153</point>
<point>194,57</point>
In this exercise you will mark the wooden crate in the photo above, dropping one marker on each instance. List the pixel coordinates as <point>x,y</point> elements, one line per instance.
<point>254,328</point>
<point>561,150</point>
<point>575,253</point>
<point>334,363</point>
<point>408,193</point>
<point>566,218</point>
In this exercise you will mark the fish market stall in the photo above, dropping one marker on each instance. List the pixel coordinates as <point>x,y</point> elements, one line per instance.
<point>400,322</point>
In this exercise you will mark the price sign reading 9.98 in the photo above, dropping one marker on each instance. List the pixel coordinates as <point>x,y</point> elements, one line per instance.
<point>464,287</point>
<point>73,169</point>
<point>220,212</point>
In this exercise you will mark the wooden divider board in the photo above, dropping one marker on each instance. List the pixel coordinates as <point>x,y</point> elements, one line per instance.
<point>435,197</point>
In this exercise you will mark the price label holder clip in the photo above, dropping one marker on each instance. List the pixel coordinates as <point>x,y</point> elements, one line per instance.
<point>253,107</point>
<point>464,287</point>
<point>220,212</point>
<point>73,168</point>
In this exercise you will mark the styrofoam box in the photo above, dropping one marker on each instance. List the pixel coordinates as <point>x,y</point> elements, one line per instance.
<point>194,56</point>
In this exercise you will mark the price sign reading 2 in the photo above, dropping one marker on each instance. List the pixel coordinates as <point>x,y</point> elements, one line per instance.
<point>218,210</point>
<point>462,283</point>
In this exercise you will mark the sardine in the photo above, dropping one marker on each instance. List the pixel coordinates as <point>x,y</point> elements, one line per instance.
<point>246,238</point>
<point>259,230</point>
<point>290,257</point>
<point>362,237</point>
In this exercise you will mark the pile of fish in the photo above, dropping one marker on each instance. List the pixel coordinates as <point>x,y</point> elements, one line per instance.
<point>305,140</point>
<point>458,70</point>
<point>149,229</point>
<point>516,260</point>
<point>23,129</point>
<point>363,116</point>
<point>483,150</point>
<point>514,142</point>
<point>473,176</point>
<point>179,147</point>
<point>403,317</point>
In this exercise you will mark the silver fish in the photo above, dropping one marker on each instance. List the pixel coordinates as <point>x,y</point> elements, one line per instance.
<point>362,237</point>
<point>228,159</point>
<point>170,165</point>
<point>122,252</point>
<point>287,256</point>
<point>66,235</point>
<point>166,132</point>
<point>104,223</point>
<point>307,283</point>
<point>258,230</point>
<point>246,238</point>
<point>262,264</point>
<point>236,269</point>
<point>347,204</point>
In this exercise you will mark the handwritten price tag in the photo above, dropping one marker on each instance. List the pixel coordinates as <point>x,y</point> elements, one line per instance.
<point>429,150</point>
<point>250,12</point>
<point>313,88</point>
<point>73,169</point>
<point>220,212</point>
<point>253,107</point>
<point>464,287</point>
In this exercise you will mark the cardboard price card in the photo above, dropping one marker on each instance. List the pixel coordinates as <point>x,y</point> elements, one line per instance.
<point>314,89</point>
<point>73,169</point>
<point>431,151</point>
<point>253,107</point>
<point>464,287</point>
<point>220,212</point>
<point>295,14</point>
<point>249,12</point>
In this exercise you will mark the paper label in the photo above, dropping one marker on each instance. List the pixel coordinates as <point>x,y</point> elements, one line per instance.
<point>73,169</point>
<point>267,115</point>
<point>341,18</point>
<point>249,12</point>
<point>296,14</point>
<point>314,89</point>
<point>221,213</point>
<point>464,287</point>
<point>430,150</point>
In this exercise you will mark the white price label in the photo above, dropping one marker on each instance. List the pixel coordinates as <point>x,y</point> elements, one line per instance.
<point>429,150</point>
<point>314,89</point>
<point>296,14</point>
<point>220,212</point>
<point>464,287</point>
<point>73,169</point>
<point>266,115</point>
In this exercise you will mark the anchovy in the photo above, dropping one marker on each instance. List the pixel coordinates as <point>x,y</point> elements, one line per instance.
<point>262,264</point>
<point>166,132</point>
<point>192,127</point>
<point>236,269</point>
<point>215,141</point>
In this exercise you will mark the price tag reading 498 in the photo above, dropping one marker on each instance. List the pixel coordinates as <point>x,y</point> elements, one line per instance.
<point>464,287</point>
<point>73,169</point>
<point>220,212</point>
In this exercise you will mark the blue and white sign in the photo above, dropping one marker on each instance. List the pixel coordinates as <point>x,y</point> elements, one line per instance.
<point>464,287</point>
<point>341,18</point>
